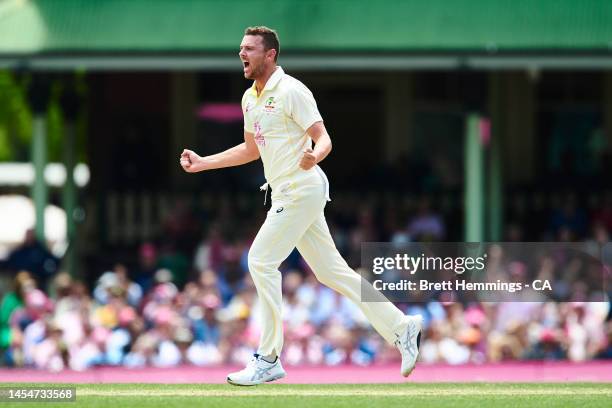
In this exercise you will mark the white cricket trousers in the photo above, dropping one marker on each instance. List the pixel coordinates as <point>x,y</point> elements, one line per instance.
<point>296,219</point>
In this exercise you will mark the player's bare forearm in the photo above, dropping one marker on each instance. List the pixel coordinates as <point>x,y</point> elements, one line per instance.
<point>243,153</point>
<point>235,156</point>
<point>323,146</point>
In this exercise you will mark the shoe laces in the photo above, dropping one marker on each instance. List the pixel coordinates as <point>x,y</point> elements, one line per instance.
<point>252,363</point>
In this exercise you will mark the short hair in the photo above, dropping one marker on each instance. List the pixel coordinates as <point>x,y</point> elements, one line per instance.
<point>269,37</point>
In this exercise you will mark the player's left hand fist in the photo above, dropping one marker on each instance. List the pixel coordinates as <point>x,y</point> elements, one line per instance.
<point>308,160</point>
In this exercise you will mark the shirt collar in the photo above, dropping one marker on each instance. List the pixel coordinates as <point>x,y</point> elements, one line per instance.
<point>274,79</point>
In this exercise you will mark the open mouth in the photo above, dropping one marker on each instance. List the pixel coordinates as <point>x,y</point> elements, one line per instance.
<point>245,63</point>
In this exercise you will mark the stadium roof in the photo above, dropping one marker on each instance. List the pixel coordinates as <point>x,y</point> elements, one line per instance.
<point>161,34</point>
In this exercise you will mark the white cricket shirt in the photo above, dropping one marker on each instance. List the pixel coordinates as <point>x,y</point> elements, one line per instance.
<point>279,118</point>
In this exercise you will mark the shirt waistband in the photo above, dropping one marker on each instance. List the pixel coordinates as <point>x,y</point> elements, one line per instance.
<point>316,176</point>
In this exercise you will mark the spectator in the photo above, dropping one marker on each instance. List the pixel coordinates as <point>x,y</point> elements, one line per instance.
<point>34,257</point>
<point>147,266</point>
<point>12,301</point>
<point>426,225</point>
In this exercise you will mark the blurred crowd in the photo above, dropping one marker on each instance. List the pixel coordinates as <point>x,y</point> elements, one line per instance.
<point>173,306</point>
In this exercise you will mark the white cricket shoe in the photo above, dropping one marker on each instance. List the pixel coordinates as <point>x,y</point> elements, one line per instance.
<point>408,343</point>
<point>257,371</point>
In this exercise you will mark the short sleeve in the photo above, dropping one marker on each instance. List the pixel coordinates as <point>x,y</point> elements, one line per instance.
<point>248,124</point>
<point>302,107</point>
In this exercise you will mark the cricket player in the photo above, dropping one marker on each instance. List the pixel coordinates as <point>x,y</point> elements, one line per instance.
<point>281,120</point>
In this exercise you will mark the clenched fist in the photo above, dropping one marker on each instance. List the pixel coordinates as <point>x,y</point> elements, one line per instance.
<point>190,161</point>
<point>308,160</point>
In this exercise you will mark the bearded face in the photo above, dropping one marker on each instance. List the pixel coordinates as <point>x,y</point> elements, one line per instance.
<point>254,56</point>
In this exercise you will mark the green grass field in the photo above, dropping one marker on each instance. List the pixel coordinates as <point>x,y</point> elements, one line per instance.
<point>406,395</point>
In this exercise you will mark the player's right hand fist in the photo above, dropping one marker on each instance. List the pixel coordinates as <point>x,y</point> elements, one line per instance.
<point>190,161</point>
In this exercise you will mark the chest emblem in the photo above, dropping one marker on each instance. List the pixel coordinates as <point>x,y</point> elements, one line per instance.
<point>270,105</point>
